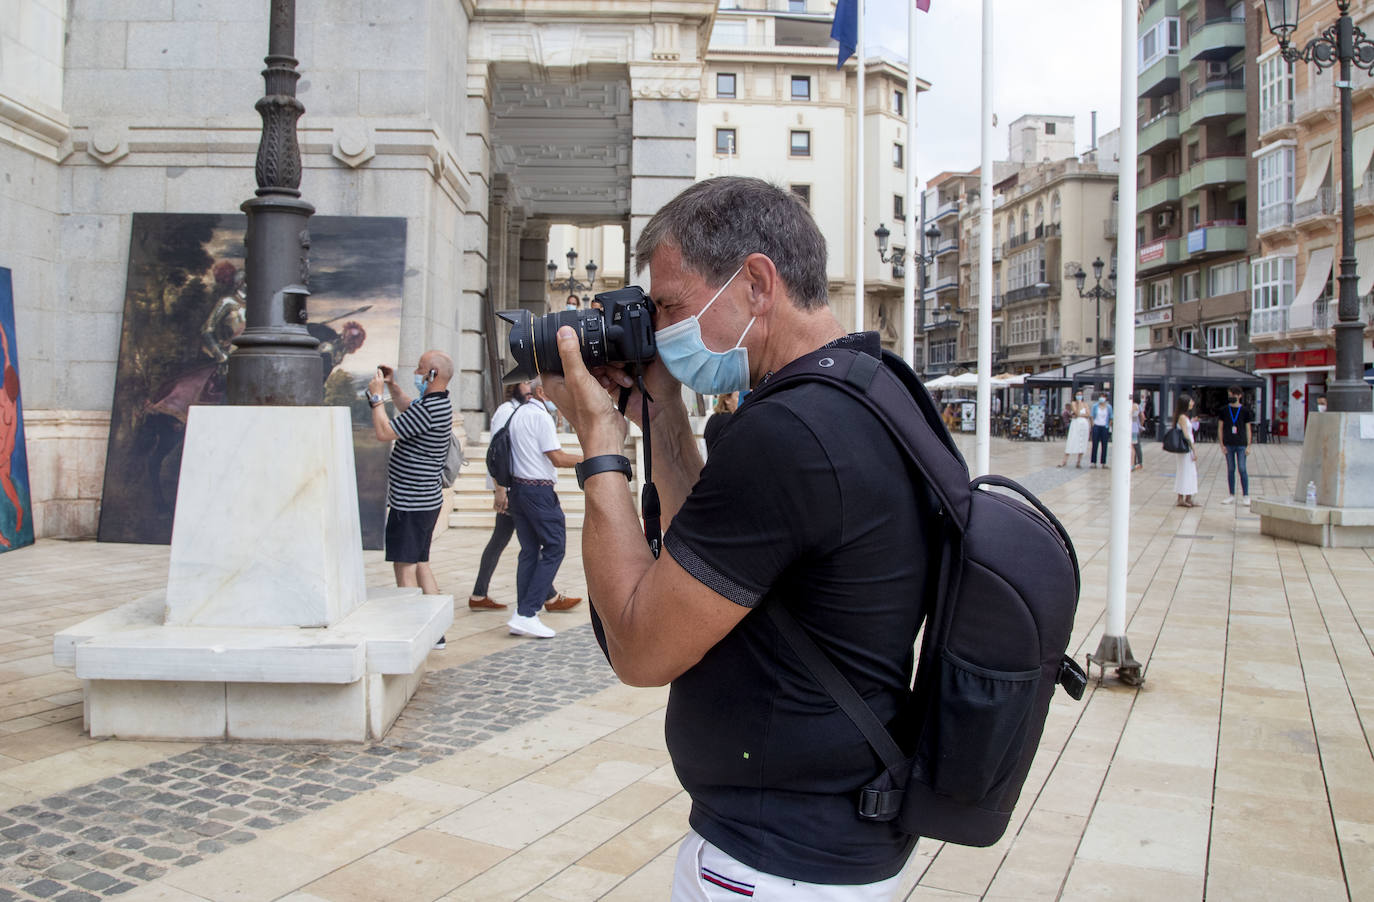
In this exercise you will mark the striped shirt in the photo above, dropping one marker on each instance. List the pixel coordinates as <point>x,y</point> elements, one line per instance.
<point>417,457</point>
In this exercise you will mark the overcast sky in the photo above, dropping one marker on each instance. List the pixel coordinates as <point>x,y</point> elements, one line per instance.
<point>1056,57</point>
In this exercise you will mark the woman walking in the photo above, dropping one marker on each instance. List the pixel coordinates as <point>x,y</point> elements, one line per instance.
<point>1077,442</point>
<point>1185,478</point>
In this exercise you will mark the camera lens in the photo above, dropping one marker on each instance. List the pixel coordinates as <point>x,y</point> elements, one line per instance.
<point>534,341</point>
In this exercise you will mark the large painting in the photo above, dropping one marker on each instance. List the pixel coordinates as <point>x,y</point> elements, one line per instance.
<point>184,303</point>
<point>16,505</point>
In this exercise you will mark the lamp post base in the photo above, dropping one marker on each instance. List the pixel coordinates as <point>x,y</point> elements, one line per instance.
<point>1116,650</point>
<point>1339,461</point>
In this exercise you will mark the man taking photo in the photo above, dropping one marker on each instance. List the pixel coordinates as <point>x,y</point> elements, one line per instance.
<point>806,502</point>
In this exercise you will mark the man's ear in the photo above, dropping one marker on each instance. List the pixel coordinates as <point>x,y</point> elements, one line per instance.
<point>765,286</point>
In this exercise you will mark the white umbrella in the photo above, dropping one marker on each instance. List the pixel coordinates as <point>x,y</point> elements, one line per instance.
<point>940,383</point>
<point>966,380</point>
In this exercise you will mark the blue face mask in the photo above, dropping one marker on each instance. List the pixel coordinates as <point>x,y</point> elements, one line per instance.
<point>421,384</point>
<point>697,366</point>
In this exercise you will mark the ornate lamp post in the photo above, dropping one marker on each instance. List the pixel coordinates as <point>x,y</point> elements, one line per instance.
<point>1345,45</point>
<point>570,285</point>
<point>929,237</point>
<point>1097,293</point>
<point>275,361</point>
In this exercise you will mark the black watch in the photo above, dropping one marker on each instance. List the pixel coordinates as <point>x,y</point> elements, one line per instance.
<point>602,463</point>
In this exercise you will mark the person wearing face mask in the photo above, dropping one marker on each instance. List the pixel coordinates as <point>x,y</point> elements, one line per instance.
<point>414,489</point>
<point>572,303</point>
<point>1321,404</point>
<point>1077,442</point>
<point>805,502</point>
<point>1237,432</point>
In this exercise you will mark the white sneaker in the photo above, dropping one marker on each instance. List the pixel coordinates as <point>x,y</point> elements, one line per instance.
<point>1231,499</point>
<point>1246,502</point>
<point>529,626</point>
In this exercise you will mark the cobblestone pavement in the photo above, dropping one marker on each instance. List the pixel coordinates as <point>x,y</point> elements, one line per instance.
<point>103,838</point>
<point>1242,769</point>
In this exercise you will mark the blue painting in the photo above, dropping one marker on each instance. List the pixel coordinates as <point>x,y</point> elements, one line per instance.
<point>16,505</point>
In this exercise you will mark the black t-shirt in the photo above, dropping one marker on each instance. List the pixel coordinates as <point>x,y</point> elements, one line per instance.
<point>804,501</point>
<point>1232,422</point>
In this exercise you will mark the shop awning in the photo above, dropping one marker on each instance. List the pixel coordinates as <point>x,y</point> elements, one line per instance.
<point>1318,164</point>
<point>1361,149</point>
<point>1313,283</point>
<point>1364,264</point>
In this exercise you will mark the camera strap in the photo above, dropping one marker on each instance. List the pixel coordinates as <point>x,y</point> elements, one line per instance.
<point>648,497</point>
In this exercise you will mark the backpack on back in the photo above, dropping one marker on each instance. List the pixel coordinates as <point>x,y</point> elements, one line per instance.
<point>500,459</point>
<point>995,634</point>
<point>454,461</point>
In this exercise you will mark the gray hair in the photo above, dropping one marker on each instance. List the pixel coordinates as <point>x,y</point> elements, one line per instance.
<point>715,224</point>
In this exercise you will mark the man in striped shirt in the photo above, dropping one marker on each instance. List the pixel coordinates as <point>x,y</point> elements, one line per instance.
<point>414,491</point>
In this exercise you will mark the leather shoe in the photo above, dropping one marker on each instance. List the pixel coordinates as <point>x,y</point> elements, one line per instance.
<point>562,603</point>
<point>485,604</point>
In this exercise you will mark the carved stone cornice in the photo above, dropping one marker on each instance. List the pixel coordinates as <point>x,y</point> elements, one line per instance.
<point>36,128</point>
<point>666,81</point>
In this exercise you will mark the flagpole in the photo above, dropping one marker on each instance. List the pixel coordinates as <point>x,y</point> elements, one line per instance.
<point>859,320</point>
<point>913,244</point>
<point>983,434</point>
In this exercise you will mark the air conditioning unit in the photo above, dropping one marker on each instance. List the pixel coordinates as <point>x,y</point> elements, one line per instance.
<point>1217,69</point>
<point>1165,219</point>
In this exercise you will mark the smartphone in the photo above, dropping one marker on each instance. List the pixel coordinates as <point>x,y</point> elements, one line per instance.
<point>385,370</point>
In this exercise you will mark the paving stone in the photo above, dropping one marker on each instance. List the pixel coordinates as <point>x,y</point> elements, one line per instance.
<point>144,871</point>
<point>76,896</point>
<point>43,889</point>
<point>66,870</point>
<point>95,881</point>
<point>110,860</point>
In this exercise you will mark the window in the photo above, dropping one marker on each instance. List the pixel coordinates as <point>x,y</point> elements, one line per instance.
<point>1054,208</point>
<point>1140,299</point>
<point>801,87</point>
<point>725,84</point>
<point>1226,278</point>
<point>1039,214</point>
<point>1187,288</point>
<point>801,144</point>
<point>1271,284</point>
<point>898,207</point>
<point>1194,216</point>
<point>1049,128</point>
<point>725,142</point>
<point>1187,339</point>
<point>1026,268</point>
<point>730,34</point>
<point>796,6</point>
<point>1157,43</point>
<point>1221,338</point>
<point>1026,328</point>
<point>897,156</point>
<point>1275,93</point>
<point>1276,188</point>
<point>899,103</point>
<point>803,193</point>
<point>1025,223</point>
<point>1161,294</point>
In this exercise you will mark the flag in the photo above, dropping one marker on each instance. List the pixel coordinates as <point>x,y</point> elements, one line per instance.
<point>923,5</point>
<point>845,30</point>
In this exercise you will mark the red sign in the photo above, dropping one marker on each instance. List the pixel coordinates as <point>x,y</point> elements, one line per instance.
<point>1319,357</point>
<point>1271,361</point>
<point>1151,252</point>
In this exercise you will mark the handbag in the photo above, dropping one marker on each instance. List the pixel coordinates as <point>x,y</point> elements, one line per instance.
<point>1174,442</point>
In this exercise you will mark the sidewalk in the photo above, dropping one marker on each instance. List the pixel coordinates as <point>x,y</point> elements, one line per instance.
<point>522,769</point>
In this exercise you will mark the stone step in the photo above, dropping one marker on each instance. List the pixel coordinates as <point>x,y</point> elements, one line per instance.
<point>486,519</point>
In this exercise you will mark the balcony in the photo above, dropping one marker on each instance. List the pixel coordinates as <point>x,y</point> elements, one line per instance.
<point>1109,227</point>
<point>1276,216</point>
<point>1364,193</point>
<point>1275,117</point>
<point>1217,39</point>
<point>1319,102</point>
<point>1321,205</point>
<point>1015,241</point>
<point>948,208</point>
<point>1049,347</point>
<point>1160,78</point>
<point>1269,322</point>
<point>946,283</point>
<point>1048,230</point>
<point>1029,293</point>
<point>1164,252</point>
<point>1157,131</point>
<point>1213,172</point>
<point>1217,237</point>
<point>1157,194</point>
<point>946,246</point>
<point>1219,99</point>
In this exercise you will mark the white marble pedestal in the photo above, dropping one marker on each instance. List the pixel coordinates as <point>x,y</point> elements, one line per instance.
<point>265,630</point>
<point>1338,456</point>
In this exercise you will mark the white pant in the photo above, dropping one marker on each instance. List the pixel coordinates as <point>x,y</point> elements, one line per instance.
<point>706,874</point>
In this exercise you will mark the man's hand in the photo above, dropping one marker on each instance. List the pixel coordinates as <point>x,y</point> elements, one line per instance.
<point>582,401</point>
<point>663,388</point>
<point>500,503</point>
<point>377,384</point>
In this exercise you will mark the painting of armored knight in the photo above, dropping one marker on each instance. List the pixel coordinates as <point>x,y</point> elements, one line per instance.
<point>185,303</point>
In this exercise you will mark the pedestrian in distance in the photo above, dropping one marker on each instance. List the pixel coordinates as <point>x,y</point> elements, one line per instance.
<point>1237,432</point>
<point>806,502</point>
<point>1137,427</point>
<point>1185,477</point>
<point>720,415</point>
<point>414,475</point>
<point>504,527</point>
<point>538,517</point>
<point>1077,442</point>
<point>1101,431</point>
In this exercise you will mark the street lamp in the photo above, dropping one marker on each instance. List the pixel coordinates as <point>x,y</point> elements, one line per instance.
<point>570,284</point>
<point>930,236</point>
<point>1098,292</point>
<point>1347,45</point>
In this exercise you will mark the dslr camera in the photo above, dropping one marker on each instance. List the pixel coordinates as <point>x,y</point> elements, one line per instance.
<point>622,333</point>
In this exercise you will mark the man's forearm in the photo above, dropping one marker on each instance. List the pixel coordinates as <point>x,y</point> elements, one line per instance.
<point>615,558</point>
<point>381,426</point>
<point>398,397</point>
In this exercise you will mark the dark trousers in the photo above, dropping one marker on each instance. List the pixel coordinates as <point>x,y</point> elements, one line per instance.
<point>1235,459</point>
<point>1099,437</point>
<point>1137,453</point>
<point>542,529</point>
<point>491,555</point>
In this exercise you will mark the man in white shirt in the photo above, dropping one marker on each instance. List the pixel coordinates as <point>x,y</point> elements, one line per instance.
<point>539,521</point>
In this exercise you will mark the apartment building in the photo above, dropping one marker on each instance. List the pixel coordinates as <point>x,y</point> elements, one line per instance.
<point>946,200</point>
<point>1296,246</point>
<point>1193,270</point>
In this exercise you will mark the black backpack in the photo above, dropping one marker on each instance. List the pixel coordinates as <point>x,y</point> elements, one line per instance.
<point>995,634</point>
<point>500,462</point>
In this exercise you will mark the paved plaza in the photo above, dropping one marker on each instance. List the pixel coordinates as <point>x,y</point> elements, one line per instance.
<point>523,770</point>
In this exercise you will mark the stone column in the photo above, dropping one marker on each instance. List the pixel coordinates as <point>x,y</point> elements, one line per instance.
<point>534,245</point>
<point>664,122</point>
<point>478,259</point>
